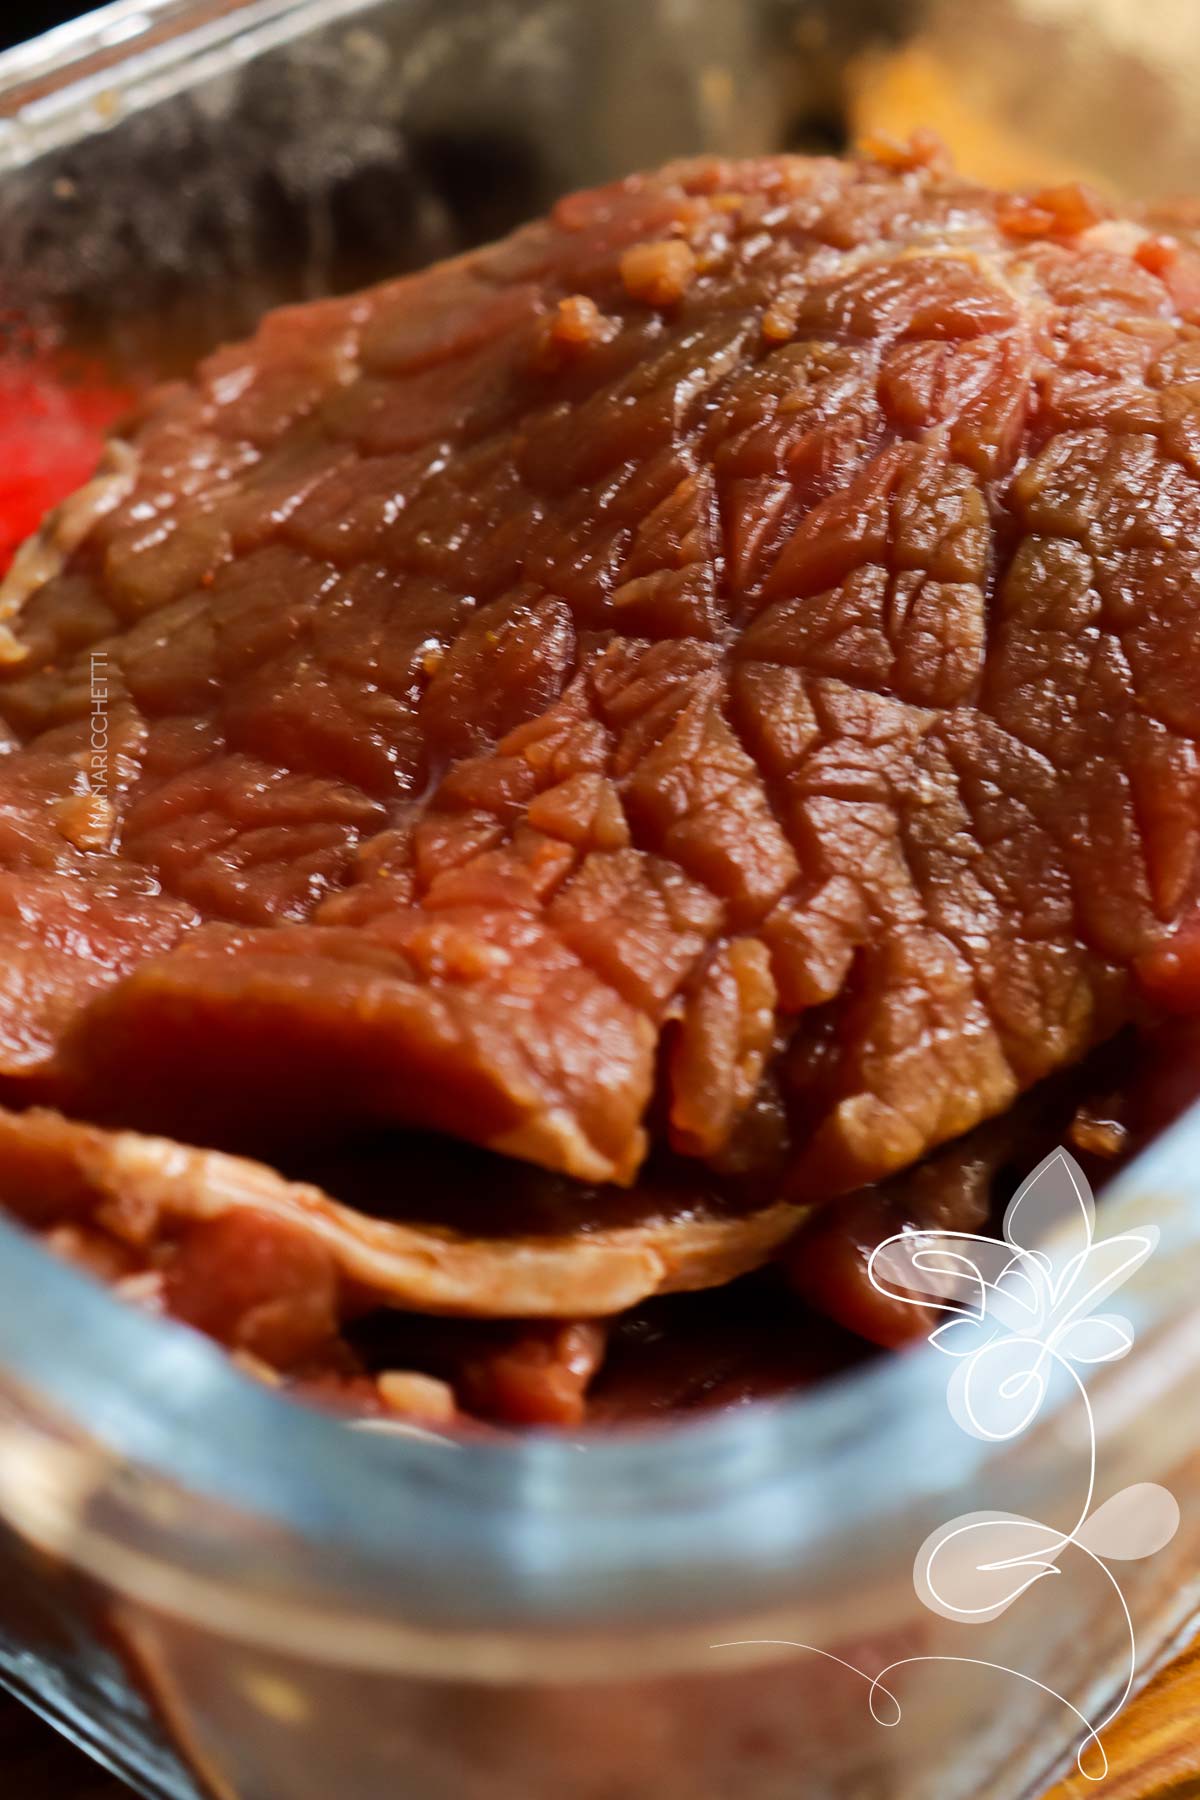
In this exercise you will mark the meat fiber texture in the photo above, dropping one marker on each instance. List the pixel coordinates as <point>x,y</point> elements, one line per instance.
<point>714,671</point>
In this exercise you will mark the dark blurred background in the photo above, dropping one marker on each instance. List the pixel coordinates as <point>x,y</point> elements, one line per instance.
<point>23,18</point>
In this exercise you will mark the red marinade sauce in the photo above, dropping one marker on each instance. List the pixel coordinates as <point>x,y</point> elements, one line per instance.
<point>56,407</point>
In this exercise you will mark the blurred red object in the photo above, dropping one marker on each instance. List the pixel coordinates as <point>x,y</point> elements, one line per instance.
<point>55,409</point>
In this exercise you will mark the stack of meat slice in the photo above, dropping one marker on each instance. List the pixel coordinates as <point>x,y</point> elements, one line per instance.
<point>697,701</point>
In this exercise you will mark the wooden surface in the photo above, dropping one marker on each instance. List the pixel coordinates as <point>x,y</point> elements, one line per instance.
<point>1153,1751</point>
<point>1154,1747</point>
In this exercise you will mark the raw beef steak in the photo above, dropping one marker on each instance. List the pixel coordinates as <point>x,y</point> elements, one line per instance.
<point>718,667</point>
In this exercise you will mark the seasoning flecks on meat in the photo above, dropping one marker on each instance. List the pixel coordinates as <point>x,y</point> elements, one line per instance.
<point>718,664</point>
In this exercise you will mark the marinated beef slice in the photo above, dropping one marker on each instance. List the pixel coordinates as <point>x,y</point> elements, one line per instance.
<point>423,1279</point>
<point>716,668</point>
<point>552,1252</point>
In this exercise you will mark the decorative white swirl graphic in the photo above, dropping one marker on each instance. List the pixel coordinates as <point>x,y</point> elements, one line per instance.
<point>1019,1307</point>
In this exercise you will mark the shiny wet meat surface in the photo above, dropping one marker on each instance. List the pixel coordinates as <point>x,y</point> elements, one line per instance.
<point>696,700</point>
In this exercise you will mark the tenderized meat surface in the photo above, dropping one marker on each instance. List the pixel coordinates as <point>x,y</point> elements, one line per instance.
<point>719,665</point>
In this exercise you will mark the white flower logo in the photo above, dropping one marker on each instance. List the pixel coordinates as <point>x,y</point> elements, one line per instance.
<point>1019,1309</point>
<point>1018,1305</point>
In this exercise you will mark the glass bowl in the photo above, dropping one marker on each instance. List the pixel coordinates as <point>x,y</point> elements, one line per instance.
<point>220,1593</point>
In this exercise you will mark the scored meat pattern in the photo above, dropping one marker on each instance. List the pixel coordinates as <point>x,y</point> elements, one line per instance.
<point>717,666</point>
